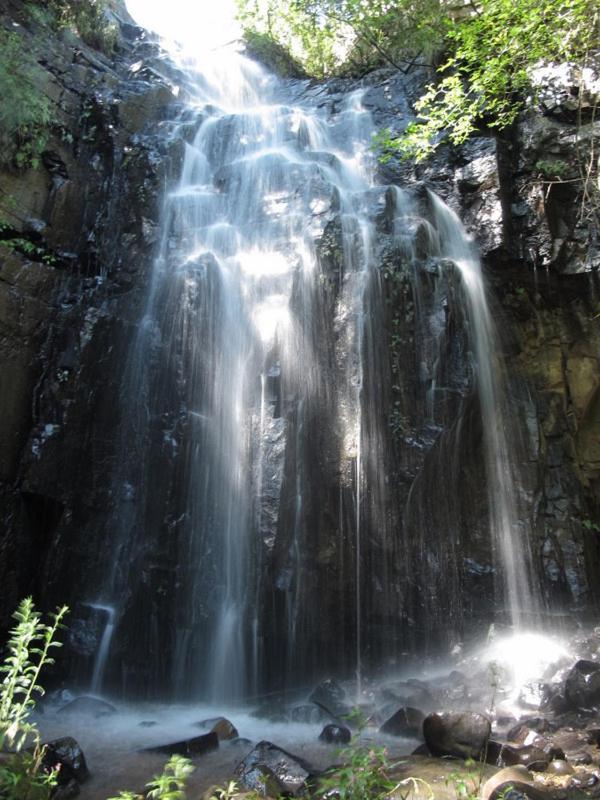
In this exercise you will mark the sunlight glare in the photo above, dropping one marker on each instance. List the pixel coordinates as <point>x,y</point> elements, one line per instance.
<point>194,24</point>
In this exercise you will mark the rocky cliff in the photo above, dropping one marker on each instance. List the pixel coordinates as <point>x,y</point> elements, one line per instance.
<point>78,237</point>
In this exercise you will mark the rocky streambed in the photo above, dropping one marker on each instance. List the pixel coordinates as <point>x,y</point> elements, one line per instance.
<point>448,733</point>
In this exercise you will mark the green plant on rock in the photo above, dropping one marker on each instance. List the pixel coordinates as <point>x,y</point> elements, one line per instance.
<point>87,18</point>
<point>225,792</point>
<point>25,111</point>
<point>486,78</point>
<point>169,785</point>
<point>22,775</point>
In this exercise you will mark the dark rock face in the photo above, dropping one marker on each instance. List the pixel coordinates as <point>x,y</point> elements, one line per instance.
<point>582,685</point>
<point>272,771</point>
<point>459,734</point>
<point>68,307</point>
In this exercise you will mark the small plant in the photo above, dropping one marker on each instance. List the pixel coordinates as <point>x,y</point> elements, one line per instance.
<point>556,170</point>
<point>364,774</point>
<point>29,647</point>
<point>588,525</point>
<point>225,792</point>
<point>169,785</point>
<point>25,111</point>
<point>466,784</point>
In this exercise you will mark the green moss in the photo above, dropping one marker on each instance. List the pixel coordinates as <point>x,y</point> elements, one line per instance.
<point>273,55</point>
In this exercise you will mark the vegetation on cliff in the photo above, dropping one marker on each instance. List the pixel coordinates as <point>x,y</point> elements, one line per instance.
<point>26,117</point>
<point>482,53</point>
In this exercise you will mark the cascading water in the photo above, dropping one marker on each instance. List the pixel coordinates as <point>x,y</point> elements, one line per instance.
<point>508,528</point>
<point>256,543</point>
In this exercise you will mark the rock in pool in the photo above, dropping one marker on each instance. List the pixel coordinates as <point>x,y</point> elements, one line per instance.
<point>405,722</point>
<point>89,706</point>
<point>335,734</point>
<point>462,734</point>
<point>196,746</point>
<point>219,725</point>
<point>269,770</point>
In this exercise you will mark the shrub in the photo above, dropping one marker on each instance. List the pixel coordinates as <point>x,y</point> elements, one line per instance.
<point>29,647</point>
<point>25,111</point>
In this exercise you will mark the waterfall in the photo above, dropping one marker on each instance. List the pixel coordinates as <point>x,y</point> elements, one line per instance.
<point>508,526</point>
<point>103,647</point>
<point>256,540</point>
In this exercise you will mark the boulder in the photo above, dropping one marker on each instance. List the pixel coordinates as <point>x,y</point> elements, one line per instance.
<point>582,685</point>
<point>406,721</point>
<point>88,706</point>
<point>462,734</point>
<point>219,725</point>
<point>330,696</point>
<point>528,756</point>
<point>335,734</point>
<point>196,746</point>
<point>560,767</point>
<point>270,770</point>
<point>68,755</point>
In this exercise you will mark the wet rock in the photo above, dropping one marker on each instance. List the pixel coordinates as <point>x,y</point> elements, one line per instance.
<point>404,693</point>
<point>504,776</point>
<point>240,741</point>
<point>559,767</point>
<point>421,750</point>
<point>268,769</point>
<point>68,755</point>
<point>582,685</point>
<point>335,734</point>
<point>330,696</point>
<point>405,722</point>
<point>197,746</point>
<point>529,756</point>
<point>461,734</point>
<point>581,759</point>
<point>219,725</point>
<point>515,790</point>
<point>520,732</point>
<point>88,706</point>
<point>67,790</point>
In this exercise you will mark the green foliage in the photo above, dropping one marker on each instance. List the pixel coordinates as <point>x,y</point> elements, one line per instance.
<point>169,785</point>
<point>87,18</point>
<point>225,792</point>
<point>25,111</point>
<point>556,170</point>
<point>29,647</point>
<point>588,525</point>
<point>342,36</point>
<point>272,54</point>
<point>466,784</point>
<point>365,773</point>
<point>486,77</point>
